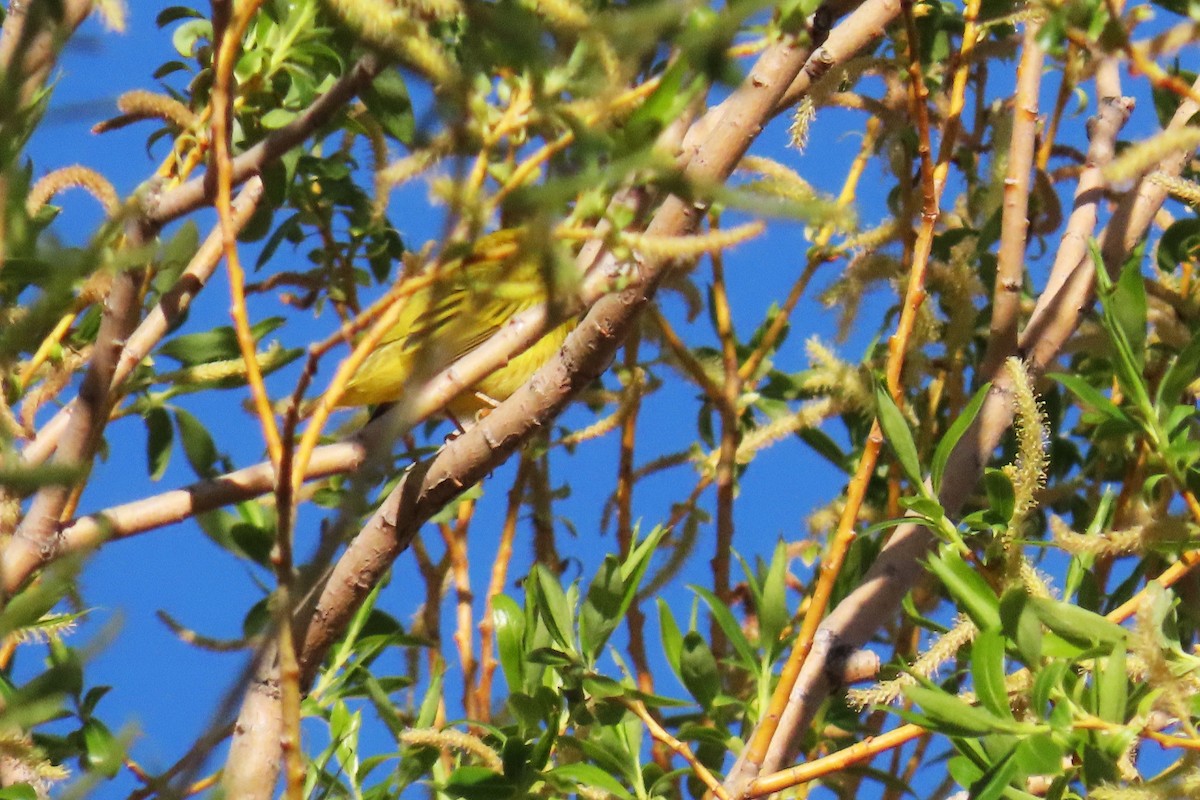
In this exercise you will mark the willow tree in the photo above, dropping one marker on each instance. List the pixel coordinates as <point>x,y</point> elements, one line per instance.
<point>1002,572</point>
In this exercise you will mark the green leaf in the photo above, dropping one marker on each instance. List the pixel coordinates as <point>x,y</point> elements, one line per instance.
<point>1112,686</point>
<point>1047,684</point>
<point>899,437</point>
<point>551,604</point>
<point>773,612</point>
<point>1183,370</point>
<point>478,783</point>
<point>387,99</point>
<point>1002,498</point>
<point>174,255</point>
<point>174,13</point>
<point>198,444</point>
<point>1180,242</point>
<point>219,344</point>
<point>277,118</point>
<point>1090,396</point>
<point>159,438</point>
<point>1077,625</point>
<point>590,775</point>
<point>22,791</point>
<point>509,620</point>
<point>672,639</point>
<point>640,555</point>
<point>661,108</point>
<point>601,611</point>
<point>1040,754</point>
<point>1124,319</point>
<point>432,700</point>
<point>1129,310</point>
<point>104,753</point>
<point>955,432</point>
<point>698,669</point>
<point>729,626</point>
<point>944,713</point>
<point>987,672</point>
<point>996,780</point>
<point>384,705</point>
<point>969,590</point>
<point>1021,625</point>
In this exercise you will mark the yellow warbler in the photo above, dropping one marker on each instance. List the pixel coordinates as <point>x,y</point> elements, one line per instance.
<point>445,320</point>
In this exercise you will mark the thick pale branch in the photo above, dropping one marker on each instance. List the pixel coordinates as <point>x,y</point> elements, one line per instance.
<point>37,530</point>
<point>30,41</point>
<point>897,568</point>
<point>37,539</point>
<point>587,352</point>
<point>201,191</point>
<point>1014,222</point>
<point>861,28</point>
<point>174,506</point>
<point>169,310</point>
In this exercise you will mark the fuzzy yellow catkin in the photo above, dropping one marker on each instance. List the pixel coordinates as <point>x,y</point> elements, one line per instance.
<point>871,239</point>
<point>1181,188</point>
<point>18,747</point>
<point>1110,543</point>
<point>112,13</point>
<point>1028,472</point>
<point>683,247</point>
<point>1035,582</point>
<point>441,10</point>
<point>225,370</point>
<point>455,740</point>
<point>942,650</point>
<point>802,119</point>
<point>405,169</point>
<point>142,103</point>
<point>562,14</point>
<point>1134,160</point>
<point>50,628</point>
<point>809,415</point>
<point>75,176</point>
<point>779,180</point>
<point>389,28</point>
<point>839,379</point>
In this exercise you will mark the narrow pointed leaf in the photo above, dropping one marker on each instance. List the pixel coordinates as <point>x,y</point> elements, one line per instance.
<point>899,437</point>
<point>955,432</point>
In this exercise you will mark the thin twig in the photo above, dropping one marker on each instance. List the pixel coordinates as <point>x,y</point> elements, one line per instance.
<point>731,391</point>
<point>1014,223</point>
<point>661,735</point>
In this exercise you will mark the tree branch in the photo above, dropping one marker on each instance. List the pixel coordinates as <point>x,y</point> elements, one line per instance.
<point>201,191</point>
<point>170,308</point>
<point>429,486</point>
<point>30,41</point>
<point>897,568</point>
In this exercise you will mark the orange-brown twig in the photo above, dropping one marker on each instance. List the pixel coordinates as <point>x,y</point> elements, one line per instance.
<point>764,738</point>
<point>660,734</point>
<point>835,762</point>
<point>227,53</point>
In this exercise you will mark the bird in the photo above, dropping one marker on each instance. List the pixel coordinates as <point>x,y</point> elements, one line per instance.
<point>450,317</point>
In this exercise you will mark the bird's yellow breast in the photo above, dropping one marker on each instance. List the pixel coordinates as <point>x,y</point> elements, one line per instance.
<point>443,321</point>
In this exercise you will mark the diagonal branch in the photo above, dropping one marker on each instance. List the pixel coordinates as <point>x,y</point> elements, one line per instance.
<point>30,41</point>
<point>1056,316</point>
<point>587,352</point>
<point>201,191</point>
